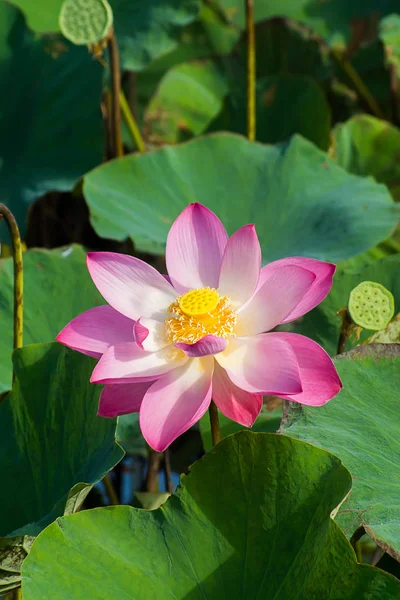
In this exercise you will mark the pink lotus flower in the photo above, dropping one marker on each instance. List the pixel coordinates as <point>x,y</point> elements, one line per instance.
<point>168,345</point>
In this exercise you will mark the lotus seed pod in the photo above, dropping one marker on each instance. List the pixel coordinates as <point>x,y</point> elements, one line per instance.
<point>85,22</point>
<point>371,305</point>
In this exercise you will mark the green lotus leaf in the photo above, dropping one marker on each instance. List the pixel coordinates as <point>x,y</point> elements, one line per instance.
<point>251,520</point>
<point>301,202</point>
<point>361,426</point>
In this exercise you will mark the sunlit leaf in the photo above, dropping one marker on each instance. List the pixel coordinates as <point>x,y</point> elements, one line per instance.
<point>252,518</point>
<point>301,202</point>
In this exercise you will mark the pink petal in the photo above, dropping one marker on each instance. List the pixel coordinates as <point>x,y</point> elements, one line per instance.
<point>154,339</point>
<point>233,402</point>
<point>121,399</point>
<point>319,377</point>
<point>140,333</point>
<point>175,402</point>
<point>95,330</point>
<point>324,273</point>
<point>195,245</point>
<point>128,363</point>
<point>210,344</point>
<point>240,267</point>
<point>274,300</point>
<point>262,364</point>
<point>130,285</point>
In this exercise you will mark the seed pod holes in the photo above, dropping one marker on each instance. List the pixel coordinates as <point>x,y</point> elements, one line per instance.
<point>85,22</point>
<point>371,305</point>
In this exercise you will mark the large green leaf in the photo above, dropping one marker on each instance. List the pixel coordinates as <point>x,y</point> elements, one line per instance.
<point>361,426</point>
<point>53,447</point>
<point>209,35</point>
<point>367,146</point>
<point>323,323</point>
<point>289,104</point>
<point>57,287</point>
<point>147,30</point>
<point>331,20</point>
<point>301,202</point>
<point>50,121</point>
<point>285,105</point>
<point>252,520</point>
<point>53,444</point>
<point>188,97</point>
<point>284,48</point>
<point>200,40</point>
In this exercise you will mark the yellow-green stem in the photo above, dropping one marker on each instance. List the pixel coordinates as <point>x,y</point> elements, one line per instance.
<point>115,94</point>
<point>8,217</point>
<point>251,71</point>
<point>153,469</point>
<point>358,83</point>
<point>214,421</point>
<point>345,329</point>
<point>18,594</point>
<point>358,551</point>
<point>131,123</point>
<point>168,471</point>
<point>112,494</point>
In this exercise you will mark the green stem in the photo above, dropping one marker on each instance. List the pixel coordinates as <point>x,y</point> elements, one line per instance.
<point>358,551</point>
<point>151,484</point>
<point>168,471</point>
<point>358,83</point>
<point>345,330</point>
<point>115,94</point>
<point>214,421</point>
<point>112,494</point>
<point>17,594</point>
<point>18,274</point>
<point>131,123</point>
<point>251,71</point>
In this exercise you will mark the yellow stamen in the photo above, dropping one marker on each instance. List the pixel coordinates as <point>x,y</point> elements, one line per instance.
<point>199,313</point>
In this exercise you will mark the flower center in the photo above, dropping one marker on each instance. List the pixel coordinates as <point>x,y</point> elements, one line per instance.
<point>199,313</point>
<point>199,302</point>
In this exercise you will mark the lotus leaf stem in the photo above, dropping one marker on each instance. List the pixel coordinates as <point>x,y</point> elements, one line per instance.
<point>9,218</point>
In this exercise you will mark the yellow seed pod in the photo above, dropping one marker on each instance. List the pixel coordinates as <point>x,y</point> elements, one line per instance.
<point>199,302</point>
<point>371,305</point>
